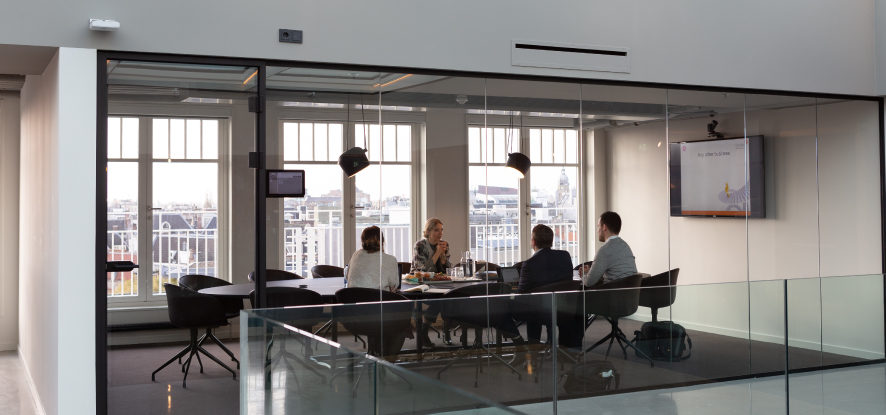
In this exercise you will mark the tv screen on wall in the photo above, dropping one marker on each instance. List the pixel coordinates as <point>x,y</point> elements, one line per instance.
<point>718,178</point>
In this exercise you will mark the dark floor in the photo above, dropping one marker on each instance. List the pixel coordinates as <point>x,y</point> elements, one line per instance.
<point>215,391</point>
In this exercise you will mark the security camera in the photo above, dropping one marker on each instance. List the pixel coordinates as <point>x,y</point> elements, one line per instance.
<point>613,123</point>
<point>636,124</point>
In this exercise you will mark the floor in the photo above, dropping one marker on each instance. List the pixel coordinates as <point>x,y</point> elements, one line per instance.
<point>15,395</point>
<point>858,390</point>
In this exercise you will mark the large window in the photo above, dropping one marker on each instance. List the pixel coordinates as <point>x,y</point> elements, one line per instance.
<point>312,225</point>
<point>554,184</point>
<point>496,194</point>
<point>177,160</point>
<point>384,193</point>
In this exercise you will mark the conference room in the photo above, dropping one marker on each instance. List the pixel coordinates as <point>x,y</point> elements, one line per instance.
<point>755,221</point>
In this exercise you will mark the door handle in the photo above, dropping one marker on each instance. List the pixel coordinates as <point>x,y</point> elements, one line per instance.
<point>120,266</point>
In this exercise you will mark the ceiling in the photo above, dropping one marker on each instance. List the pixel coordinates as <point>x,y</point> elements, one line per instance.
<point>25,60</point>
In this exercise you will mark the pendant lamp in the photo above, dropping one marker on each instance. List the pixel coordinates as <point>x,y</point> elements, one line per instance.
<point>518,161</point>
<point>354,160</point>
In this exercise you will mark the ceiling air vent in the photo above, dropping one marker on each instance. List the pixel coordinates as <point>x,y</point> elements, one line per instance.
<point>570,56</point>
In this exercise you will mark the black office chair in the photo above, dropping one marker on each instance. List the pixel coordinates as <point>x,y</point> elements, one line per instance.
<point>276,275</point>
<point>659,291</point>
<point>232,306</point>
<point>614,300</point>
<point>372,321</point>
<point>537,309</point>
<point>193,311</point>
<point>327,271</point>
<point>303,319</point>
<point>464,311</point>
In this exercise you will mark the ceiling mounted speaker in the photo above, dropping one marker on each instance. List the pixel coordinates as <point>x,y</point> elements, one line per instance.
<point>519,162</point>
<point>353,161</point>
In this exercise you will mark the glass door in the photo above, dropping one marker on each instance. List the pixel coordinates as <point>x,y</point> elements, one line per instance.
<point>182,198</point>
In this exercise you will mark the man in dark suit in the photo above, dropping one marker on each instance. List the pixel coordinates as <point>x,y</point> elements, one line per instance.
<point>547,266</point>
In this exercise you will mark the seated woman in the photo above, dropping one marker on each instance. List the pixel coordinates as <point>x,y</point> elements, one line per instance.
<point>363,269</point>
<point>431,254</point>
<point>363,272</point>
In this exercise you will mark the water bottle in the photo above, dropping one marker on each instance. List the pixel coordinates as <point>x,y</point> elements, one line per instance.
<point>345,271</point>
<point>473,267</point>
<point>469,265</point>
<point>463,264</point>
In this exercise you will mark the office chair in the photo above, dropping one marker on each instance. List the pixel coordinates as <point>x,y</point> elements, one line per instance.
<point>659,291</point>
<point>232,306</point>
<point>303,319</point>
<point>193,311</point>
<point>536,309</point>
<point>614,300</point>
<point>327,271</point>
<point>372,320</point>
<point>460,309</point>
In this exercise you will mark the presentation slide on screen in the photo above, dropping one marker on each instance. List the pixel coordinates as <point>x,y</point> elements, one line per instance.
<point>713,178</point>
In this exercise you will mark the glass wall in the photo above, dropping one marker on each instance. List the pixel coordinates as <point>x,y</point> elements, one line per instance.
<point>752,220</point>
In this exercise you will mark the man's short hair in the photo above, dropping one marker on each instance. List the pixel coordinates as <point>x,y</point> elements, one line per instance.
<point>543,235</point>
<point>612,221</point>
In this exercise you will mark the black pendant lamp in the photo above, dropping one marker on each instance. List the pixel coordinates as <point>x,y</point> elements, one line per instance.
<point>354,160</point>
<point>518,161</point>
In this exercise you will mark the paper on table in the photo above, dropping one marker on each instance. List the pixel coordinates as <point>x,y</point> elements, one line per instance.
<point>417,288</point>
<point>437,290</point>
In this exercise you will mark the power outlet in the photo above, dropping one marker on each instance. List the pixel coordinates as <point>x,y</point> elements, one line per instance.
<point>290,35</point>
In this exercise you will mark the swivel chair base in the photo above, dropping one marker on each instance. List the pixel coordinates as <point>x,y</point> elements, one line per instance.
<point>478,345</point>
<point>617,335</point>
<point>193,349</point>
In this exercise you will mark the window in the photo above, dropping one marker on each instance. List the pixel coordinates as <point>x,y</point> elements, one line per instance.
<point>494,197</point>
<point>550,191</point>
<point>123,203</point>
<point>173,164</point>
<point>312,225</point>
<point>383,194</point>
<point>184,206</point>
<point>553,185</point>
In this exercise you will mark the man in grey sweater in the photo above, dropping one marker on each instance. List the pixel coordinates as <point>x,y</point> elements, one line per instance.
<point>614,260</point>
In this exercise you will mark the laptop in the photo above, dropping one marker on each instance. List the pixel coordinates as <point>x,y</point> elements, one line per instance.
<point>509,275</point>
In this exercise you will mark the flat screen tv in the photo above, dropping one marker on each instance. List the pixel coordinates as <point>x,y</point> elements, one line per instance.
<point>721,177</point>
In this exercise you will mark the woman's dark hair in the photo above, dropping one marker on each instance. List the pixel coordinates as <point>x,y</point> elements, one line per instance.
<point>371,238</point>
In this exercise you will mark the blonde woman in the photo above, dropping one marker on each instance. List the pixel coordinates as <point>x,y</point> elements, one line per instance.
<point>431,254</point>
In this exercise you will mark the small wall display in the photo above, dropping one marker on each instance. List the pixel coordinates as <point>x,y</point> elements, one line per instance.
<point>286,183</point>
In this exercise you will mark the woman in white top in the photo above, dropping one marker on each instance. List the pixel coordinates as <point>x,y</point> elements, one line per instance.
<point>363,268</point>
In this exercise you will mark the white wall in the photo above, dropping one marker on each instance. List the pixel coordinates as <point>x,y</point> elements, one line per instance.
<point>57,258</point>
<point>9,158</point>
<point>744,256</point>
<point>806,45</point>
